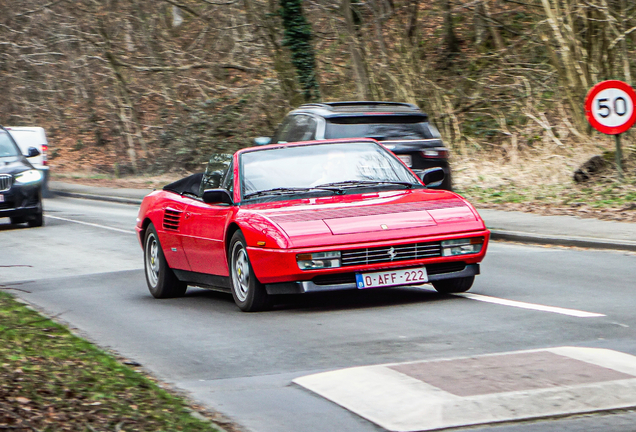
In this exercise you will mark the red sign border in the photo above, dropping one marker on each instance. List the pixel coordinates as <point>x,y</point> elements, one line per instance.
<point>610,130</point>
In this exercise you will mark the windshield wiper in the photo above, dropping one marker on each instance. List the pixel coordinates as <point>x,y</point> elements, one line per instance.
<point>356,183</point>
<point>289,190</point>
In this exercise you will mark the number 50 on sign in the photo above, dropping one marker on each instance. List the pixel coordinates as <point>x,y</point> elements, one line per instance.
<point>609,107</point>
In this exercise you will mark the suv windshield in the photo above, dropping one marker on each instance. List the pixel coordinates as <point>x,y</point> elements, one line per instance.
<point>323,166</point>
<point>379,127</point>
<point>7,147</point>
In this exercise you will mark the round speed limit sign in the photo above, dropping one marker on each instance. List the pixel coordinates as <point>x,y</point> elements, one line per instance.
<point>609,107</point>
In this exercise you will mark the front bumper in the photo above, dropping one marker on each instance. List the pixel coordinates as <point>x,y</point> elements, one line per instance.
<point>279,266</point>
<point>303,287</point>
<point>21,201</point>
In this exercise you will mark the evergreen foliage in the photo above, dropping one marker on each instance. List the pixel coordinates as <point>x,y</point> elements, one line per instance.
<point>297,37</point>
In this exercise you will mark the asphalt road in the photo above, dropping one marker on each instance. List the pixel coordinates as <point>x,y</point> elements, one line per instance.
<point>85,266</point>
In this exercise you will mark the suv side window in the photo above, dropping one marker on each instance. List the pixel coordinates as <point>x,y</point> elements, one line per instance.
<point>303,128</point>
<point>283,130</point>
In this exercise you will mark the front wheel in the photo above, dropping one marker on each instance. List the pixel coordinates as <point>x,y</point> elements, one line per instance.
<point>36,221</point>
<point>160,278</point>
<point>248,293</point>
<point>456,285</point>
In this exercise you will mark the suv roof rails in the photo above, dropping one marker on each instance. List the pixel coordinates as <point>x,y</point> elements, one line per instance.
<point>363,105</point>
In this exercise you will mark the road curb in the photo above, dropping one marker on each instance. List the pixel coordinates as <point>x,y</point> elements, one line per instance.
<point>584,242</point>
<point>116,199</point>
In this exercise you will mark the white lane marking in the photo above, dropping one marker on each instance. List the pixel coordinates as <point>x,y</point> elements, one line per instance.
<point>91,224</point>
<point>532,306</point>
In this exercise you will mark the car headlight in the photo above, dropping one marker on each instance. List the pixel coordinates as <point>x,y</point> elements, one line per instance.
<point>463,246</point>
<point>319,260</point>
<point>30,176</point>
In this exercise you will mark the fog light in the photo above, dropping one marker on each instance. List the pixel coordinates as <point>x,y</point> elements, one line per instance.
<point>463,246</point>
<point>318,260</point>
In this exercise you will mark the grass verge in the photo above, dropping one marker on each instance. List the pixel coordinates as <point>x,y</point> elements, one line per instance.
<point>51,380</point>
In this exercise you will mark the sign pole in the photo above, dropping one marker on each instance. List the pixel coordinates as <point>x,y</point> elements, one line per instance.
<point>619,157</point>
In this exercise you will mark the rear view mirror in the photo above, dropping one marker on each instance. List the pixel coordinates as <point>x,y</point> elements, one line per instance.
<point>431,177</point>
<point>262,140</point>
<point>32,152</point>
<point>217,196</point>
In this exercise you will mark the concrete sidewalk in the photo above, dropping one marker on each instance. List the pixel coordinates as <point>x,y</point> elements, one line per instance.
<point>504,225</point>
<point>494,388</point>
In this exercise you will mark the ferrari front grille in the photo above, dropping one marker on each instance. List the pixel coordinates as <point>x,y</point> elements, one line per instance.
<point>393,253</point>
<point>5,182</point>
<point>171,219</point>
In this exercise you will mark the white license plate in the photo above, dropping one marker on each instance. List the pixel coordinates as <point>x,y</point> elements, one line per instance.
<point>1,198</point>
<point>392,278</point>
<point>406,159</point>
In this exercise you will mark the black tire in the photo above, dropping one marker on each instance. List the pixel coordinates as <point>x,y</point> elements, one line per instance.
<point>17,220</point>
<point>456,285</point>
<point>37,220</point>
<point>248,293</point>
<point>161,280</point>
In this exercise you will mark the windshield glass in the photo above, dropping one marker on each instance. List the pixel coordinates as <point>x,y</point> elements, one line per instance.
<point>7,147</point>
<point>306,167</point>
<point>379,127</point>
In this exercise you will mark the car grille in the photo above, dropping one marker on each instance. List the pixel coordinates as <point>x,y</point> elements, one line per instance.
<point>390,254</point>
<point>5,182</point>
<point>171,219</point>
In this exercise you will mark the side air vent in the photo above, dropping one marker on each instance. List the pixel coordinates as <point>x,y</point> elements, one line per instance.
<point>171,219</point>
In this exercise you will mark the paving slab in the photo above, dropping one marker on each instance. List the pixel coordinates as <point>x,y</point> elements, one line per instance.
<point>520,385</point>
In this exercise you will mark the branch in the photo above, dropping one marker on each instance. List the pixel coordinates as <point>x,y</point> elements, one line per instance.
<point>187,67</point>
<point>53,3</point>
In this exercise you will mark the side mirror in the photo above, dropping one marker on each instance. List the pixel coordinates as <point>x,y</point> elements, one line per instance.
<point>217,196</point>
<point>431,177</point>
<point>262,140</point>
<point>32,152</point>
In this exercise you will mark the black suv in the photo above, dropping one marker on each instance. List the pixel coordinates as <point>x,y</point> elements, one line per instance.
<point>401,127</point>
<point>20,183</point>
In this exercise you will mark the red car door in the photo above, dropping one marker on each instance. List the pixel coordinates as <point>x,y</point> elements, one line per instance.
<point>170,232</point>
<point>203,232</point>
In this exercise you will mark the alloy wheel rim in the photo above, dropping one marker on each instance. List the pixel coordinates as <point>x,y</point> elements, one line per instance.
<point>152,260</point>
<point>240,272</point>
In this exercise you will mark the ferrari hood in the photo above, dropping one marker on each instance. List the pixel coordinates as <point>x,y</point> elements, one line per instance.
<point>377,216</point>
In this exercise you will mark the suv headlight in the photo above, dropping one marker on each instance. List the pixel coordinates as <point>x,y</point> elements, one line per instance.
<point>463,246</point>
<point>319,260</point>
<point>30,176</point>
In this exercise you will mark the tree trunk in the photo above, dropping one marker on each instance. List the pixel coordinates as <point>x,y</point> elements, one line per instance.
<point>450,40</point>
<point>357,56</point>
<point>494,31</point>
<point>267,31</point>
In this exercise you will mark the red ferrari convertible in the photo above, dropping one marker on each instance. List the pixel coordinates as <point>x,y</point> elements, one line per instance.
<point>306,217</point>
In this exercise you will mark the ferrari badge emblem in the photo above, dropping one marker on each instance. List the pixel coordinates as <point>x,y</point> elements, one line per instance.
<point>391,253</point>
